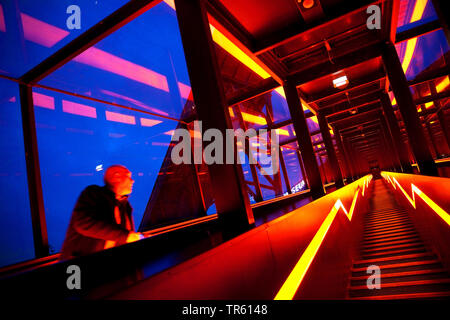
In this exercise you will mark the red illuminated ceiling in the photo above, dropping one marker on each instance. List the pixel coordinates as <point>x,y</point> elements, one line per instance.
<point>313,48</point>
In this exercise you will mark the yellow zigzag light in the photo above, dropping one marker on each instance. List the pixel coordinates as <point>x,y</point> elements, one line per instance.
<point>414,190</point>
<point>297,274</point>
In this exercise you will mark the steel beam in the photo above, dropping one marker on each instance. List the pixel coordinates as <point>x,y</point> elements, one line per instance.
<point>332,159</point>
<point>304,140</point>
<point>36,197</point>
<point>408,110</point>
<point>227,180</point>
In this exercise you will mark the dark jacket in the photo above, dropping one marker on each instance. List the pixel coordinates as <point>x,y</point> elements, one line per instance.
<point>93,222</point>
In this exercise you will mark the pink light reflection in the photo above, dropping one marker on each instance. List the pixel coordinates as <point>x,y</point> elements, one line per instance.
<point>41,32</point>
<point>2,20</point>
<point>118,117</point>
<point>185,91</point>
<point>133,101</point>
<point>79,109</point>
<point>44,101</point>
<point>103,60</point>
<point>149,122</point>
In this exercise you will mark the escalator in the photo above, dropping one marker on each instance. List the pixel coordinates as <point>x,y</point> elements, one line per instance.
<point>408,267</point>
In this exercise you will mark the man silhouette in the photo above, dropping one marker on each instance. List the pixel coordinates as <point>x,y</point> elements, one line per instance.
<point>101,218</point>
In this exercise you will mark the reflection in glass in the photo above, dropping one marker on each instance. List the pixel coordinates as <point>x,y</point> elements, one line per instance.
<point>16,235</point>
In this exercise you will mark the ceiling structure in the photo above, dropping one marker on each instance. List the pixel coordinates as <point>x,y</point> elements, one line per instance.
<point>313,42</point>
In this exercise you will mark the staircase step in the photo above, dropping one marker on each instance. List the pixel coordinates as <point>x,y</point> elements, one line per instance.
<point>404,256</point>
<point>403,276</point>
<point>409,245</point>
<point>385,220</point>
<point>420,286</point>
<point>387,230</point>
<point>388,235</point>
<point>395,252</point>
<point>387,226</point>
<point>386,214</point>
<point>395,260</point>
<point>390,239</point>
<point>388,209</point>
<point>400,267</point>
<point>381,235</point>
<point>404,284</point>
<point>386,223</point>
<point>389,243</point>
<point>404,296</point>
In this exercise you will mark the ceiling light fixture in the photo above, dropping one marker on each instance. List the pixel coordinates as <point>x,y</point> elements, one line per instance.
<point>307,4</point>
<point>340,82</point>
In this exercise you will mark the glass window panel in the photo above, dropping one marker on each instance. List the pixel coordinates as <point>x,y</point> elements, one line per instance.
<point>141,65</point>
<point>16,236</point>
<point>252,113</point>
<point>420,90</point>
<point>86,137</point>
<point>270,174</point>
<point>280,109</point>
<point>248,176</point>
<point>319,147</point>
<point>413,13</point>
<point>31,31</point>
<point>272,186</point>
<point>424,54</point>
<point>312,123</point>
<point>316,138</point>
<point>293,169</point>
<point>442,84</point>
<point>286,133</point>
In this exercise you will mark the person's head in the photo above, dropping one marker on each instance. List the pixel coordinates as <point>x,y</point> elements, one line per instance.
<point>118,179</point>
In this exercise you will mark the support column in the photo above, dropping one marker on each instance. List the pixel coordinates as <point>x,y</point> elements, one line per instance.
<point>392,150</point>
<point>33,172</point>
<point>332,158</point>
<point>408,110</point>
<point>351,159</point>
<point>394,128</point>
<point>285,174</point>
<point>304,140</point>
<point>440,115</point>
<point>227,180</point>
<point>340,146</point>
<point>322,167</point>
<point>252,166</point>
<point>387,147</point>
<point>430,133</point>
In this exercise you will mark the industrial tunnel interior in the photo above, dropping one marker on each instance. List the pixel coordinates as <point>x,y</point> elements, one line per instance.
<point>356,206</point>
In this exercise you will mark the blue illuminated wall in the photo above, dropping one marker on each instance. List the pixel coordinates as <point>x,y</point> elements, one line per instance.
<point>16,236</point>
<point>140,66</point>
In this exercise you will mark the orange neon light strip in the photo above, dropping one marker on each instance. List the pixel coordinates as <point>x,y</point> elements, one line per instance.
<point>444,83</point>
<point>295,278</point>
<point>414,190</point>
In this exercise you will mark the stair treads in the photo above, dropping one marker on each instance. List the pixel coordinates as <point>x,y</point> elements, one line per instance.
<point>392,253</point>
<point>420,286</point>
<point>390,239</point>
<point>394,260</point>
<point>430,274</point>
